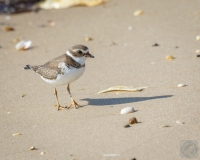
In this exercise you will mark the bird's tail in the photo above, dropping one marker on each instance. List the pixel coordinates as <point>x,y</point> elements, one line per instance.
<point>27,67</point>
<point>33,68</point>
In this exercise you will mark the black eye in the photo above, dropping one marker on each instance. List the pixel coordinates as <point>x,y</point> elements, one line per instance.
<point>79,51</point>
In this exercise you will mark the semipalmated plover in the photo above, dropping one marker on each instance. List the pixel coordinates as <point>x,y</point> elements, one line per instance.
<point>64,69</point>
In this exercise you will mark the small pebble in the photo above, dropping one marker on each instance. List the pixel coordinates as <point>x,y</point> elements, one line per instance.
<point>23,95</point>
<point>179,122</point>
<point>181,85</point>
<point>169,57</point>
<point>197,38</point>
<point>198,55</point>
<point>16,134</point>
<point>127,126</point>
<point>133,120</point>
<point>88,39</point>
<point>127,110</point>
<point>42,153</point>
<point>197,51</point>
<point>165,126</point>
<point>8,28</point>
<point>130,28</point>
<point>32,148</point>
<point>138,12</point>
<point>155,45</point>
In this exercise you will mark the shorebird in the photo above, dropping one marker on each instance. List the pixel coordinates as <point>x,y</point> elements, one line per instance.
<point>64,70</point>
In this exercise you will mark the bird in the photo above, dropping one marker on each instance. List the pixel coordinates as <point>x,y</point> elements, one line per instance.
<point>64,70</point>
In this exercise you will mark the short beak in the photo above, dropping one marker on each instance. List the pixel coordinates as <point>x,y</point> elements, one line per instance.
<point>89,55</point>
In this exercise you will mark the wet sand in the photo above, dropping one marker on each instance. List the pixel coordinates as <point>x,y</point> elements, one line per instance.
<point>124,55</point>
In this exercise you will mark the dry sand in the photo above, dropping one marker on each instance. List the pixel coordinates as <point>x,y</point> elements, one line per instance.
<point>96,130</point>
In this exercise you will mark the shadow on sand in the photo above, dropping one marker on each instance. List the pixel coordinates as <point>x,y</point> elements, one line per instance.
<point>122,100</point>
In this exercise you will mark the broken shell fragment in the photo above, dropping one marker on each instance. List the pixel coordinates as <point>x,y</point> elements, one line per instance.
<point>16,134</point>
<point>88,39</point>
<point>133,120</point>
<point>127,110</point>
<point>181,85</point>
<point>169,57</point>
<point>138,12</point>
<point>32,148</point>
<point>8,28</point>
<point>23,45</point>
<point>42,153</point>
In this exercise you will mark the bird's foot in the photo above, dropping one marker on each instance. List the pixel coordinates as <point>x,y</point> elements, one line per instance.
<point>60,107</point>
<point>73,103</point>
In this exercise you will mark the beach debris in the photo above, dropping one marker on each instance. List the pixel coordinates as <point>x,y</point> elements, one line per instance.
<point>165,126</point>
<point>15,40</point>
<point>55,4</point>
<point>138,13</point>
<point>198,51</point>
<point>16,134</point>
<point>155,45</point>
<point>127,126</point>
<point>133,120</point>
<point>127,110</point>
<point>8,28</point>
<point>198,38</point>
<point>130,28</point>
<point>23,95</point>
<point>198,55</point>
<point>181,85</point>
<point>123,88</point>
<point>169,57</point>
<point>51,23</point>
<point>23,45</point>
<point>88,39</point>
<point>179,122</point>
<point>42,153</point>
<point>32,148</point>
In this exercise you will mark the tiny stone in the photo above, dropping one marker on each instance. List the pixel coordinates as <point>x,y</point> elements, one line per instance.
<point>155,45</point>
<point>197,51</point>
<point>169,57</point>
<point>198,55</point>
<point>133,120</point>
<point>165,126</point>
<point>88,39</point>
<point>197,38</point>
<point>138,12</point>
<point>42,153</point>
<point>32,148</point>
<point>127,126</point>
<point>8,28</point>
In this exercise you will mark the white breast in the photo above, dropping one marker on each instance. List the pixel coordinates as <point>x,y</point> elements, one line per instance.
<point>70,75</point>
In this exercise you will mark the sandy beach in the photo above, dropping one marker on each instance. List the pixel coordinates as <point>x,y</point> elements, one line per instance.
<point>124,56</point>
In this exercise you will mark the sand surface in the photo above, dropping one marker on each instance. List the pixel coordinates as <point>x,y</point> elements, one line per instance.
<point>122,57</point>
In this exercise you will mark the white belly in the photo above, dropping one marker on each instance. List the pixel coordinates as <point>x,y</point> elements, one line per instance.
<point>69,76</point>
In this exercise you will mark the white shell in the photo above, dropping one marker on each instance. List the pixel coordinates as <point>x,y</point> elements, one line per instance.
<point>23,45</point>
<point>127,110</point>
<point>181,85</point>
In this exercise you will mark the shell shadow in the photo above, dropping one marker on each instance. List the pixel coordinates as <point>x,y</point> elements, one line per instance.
<point>121,100</point>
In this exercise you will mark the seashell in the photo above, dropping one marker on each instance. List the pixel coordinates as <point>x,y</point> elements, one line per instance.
<point>23,45</point>
<point>32,148</point>
<point>16,134</point>
<point>133,120</point>
<point>127,110</point>
<point>181,85</point>
<point>138,12</point>
<point>170,57</point>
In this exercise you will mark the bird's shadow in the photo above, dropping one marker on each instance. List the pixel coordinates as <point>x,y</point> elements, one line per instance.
<point>121,100</point>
